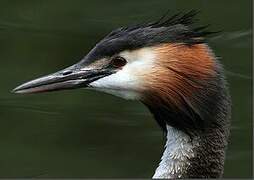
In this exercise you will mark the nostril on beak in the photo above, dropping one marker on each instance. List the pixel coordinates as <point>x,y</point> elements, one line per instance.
<point>66,72</point>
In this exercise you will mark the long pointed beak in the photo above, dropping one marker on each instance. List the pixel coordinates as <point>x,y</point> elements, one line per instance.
<point>69,78</point>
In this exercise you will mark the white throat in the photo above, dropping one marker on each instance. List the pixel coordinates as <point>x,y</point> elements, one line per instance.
<point>179,149</point>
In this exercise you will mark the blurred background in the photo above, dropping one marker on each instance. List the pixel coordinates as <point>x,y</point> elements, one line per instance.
<point>84,133</point>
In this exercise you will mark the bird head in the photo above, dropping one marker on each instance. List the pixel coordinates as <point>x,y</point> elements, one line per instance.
<point>158,63</point>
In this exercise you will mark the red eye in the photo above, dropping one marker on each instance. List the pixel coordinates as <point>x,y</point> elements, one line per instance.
<point>118,62</point>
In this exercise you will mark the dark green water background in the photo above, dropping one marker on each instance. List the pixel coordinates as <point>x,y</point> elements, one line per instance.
<point>83,133</point>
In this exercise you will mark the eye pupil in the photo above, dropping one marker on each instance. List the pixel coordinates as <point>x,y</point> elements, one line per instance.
<point>118,62</point>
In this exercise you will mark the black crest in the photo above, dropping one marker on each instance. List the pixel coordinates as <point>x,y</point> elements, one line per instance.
<point>181,25</point>
<point>168,29</point>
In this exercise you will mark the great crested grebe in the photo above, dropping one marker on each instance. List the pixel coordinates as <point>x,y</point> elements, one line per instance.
<point>168,67</point>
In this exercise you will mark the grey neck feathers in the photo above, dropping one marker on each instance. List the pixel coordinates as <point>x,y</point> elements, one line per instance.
<point>179,149</point>
<point>200,156</point>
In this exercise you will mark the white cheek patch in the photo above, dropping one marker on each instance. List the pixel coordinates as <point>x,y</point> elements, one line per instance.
<point>128,81</point>
<point>128,95</point>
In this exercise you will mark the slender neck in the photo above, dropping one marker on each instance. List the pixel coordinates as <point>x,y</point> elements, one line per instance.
<point>200,156</point>
<point>179,149</point>
<point>195,111</point>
